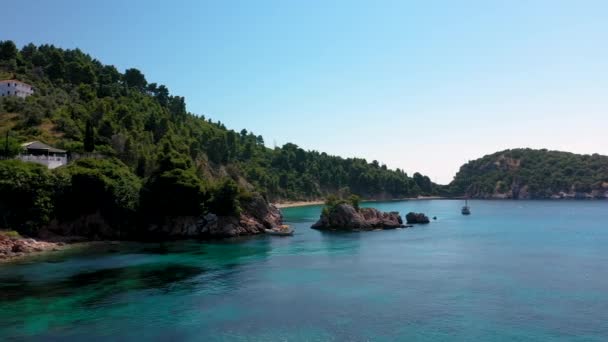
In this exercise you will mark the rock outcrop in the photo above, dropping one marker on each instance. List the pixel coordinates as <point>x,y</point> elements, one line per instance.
<point>12,247</point>
<point>414,218</point>
<point>256,216</point>
<point>345,216</point>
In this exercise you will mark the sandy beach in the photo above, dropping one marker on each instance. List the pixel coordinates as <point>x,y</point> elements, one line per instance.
<point>297,204</point>
<point>319,202</point>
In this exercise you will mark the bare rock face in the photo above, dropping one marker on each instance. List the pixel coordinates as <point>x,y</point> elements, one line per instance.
<point>345,216</point>
<point>413,218</point>
<point>258,211</point>
<point>378,218</point>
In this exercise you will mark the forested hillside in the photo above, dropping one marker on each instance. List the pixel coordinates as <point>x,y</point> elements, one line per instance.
<point>528,173</point>
<point>85,106</point>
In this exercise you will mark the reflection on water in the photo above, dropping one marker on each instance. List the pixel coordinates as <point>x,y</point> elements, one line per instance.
<point>340,242</point>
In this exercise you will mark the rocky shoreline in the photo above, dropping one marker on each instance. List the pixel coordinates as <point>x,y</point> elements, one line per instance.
<point>14,248</point>
<point>256,217</point>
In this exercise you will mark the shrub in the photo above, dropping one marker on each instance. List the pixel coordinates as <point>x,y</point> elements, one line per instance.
<point>104,185</point>
<point>224,198</point>
<point>26,195</point>
<point>176,192</point>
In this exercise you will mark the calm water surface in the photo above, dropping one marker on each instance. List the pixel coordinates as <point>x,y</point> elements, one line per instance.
<point>512,271</point>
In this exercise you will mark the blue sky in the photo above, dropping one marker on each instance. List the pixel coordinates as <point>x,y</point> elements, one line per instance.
<point>424,86</point>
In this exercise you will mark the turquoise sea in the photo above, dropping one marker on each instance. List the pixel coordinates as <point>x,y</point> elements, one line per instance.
<point>512,271</point>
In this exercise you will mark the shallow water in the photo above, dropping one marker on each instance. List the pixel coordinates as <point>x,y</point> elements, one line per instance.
<point>514,270</point>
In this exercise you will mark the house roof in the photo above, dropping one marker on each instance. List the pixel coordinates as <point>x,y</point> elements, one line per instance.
<point>14,81</point>
<point>37,145</point>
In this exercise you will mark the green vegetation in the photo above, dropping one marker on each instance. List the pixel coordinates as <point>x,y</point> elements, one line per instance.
<point>83,106</point>
<point>26,195</point>
<point>148,158</point>
<point>332,201</point>
<point>152,158</point>
<point>9,234</point>
<point>31,195</point>
<point>10,147</point>
<point>91,185</point>
<point>528,173</point>
<point>173,190</point>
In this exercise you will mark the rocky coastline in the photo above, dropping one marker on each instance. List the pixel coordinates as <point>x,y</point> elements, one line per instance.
<point>255,217</point>
<point>14,246</point>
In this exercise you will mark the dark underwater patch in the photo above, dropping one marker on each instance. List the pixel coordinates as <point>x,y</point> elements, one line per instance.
<point>100,283</point>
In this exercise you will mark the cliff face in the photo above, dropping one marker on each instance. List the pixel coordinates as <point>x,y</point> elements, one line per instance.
<point>345,216</point>
<point>533,174</point>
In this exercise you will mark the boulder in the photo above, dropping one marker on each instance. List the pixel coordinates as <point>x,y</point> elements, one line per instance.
<point>345,216</point>
<point>413,218</point>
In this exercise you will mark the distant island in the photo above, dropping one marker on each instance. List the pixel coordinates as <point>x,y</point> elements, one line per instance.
<point>533,174</point>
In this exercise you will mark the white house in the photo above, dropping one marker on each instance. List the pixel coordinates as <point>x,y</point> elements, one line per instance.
<point>37,152</point>
<point>15,88</point>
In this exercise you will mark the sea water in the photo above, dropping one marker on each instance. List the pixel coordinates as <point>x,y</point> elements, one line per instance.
<point>511,271</point>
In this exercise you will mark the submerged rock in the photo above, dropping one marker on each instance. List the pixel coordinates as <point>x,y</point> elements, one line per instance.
<point>413,218</point>
<point>345,216</point>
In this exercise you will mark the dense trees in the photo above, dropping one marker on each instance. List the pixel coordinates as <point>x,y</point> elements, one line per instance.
<point>82,105</point>
<point>173,190</point>
<point>540,173</point>
<point>31,195</point>
<point>26,195</point>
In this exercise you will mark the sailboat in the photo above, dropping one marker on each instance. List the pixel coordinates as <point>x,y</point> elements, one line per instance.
<point>466,210</point>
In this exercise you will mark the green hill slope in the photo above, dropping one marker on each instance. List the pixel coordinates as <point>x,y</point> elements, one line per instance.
<point>528,173</point>
<point>78,99</point>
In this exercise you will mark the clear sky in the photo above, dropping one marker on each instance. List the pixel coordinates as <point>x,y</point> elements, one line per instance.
<point>420,85</point>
